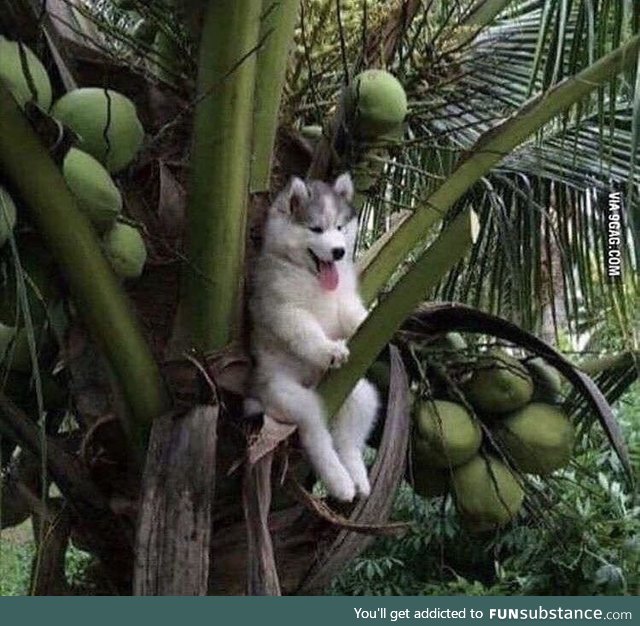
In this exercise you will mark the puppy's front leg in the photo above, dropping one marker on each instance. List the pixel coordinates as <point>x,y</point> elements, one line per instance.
<point>305,338</point>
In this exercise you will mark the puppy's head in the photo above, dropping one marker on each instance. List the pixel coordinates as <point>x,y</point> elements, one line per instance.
<point>312,224</point>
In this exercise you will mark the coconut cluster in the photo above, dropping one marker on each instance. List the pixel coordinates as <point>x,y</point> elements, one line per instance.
<point>109,135</point>
<point>503,422</point>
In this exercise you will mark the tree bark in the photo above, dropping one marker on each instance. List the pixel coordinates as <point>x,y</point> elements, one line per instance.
<point>174,527</point>
<point>262,574</point>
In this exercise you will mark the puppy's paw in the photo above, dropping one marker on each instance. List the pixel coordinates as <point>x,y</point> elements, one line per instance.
<point>354,464</point>
<point>363,488</point>
<point>342,488</point>
<point>339,354</point>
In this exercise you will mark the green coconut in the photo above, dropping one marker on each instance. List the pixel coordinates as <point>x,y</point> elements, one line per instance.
<point>125,249</point>
<point>16,79</point>
<point>487,493</point>
<point>445,435</point>
<point>90,111</point>
<point>92,185</point>
<point>7,216</point>
<point>546,381</point>
<point>538,438</point>
<point>378,103</point>
<point>499,384</point>
<point>450,346</point>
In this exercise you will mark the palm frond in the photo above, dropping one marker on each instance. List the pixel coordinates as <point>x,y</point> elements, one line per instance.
<point>544,227</point>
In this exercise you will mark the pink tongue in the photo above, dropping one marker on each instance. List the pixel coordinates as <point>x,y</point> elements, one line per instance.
<point>328,275</point>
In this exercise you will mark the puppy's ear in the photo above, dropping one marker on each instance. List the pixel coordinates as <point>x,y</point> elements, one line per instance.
<point>344,187</point>
<point>298,196</point>
<point>291,201</point>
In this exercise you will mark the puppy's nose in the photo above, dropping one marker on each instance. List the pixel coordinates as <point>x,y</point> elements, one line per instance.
<point>337,253</point>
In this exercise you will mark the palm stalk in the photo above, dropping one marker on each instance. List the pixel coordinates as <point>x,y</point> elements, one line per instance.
<point>598,365</point>
<point>28,168</point>
<point>378,329</point>
<point>484,12</point>
<point>489,150</point>
<point>479,16</point>
<point>276,34</point>
<point>221,153</point>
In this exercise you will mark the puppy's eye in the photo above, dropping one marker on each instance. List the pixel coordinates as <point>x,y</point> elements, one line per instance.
<point>339,227</point>
<point>315,229</point>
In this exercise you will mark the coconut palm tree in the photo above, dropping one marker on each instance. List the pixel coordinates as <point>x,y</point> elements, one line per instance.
<point>522,117</point>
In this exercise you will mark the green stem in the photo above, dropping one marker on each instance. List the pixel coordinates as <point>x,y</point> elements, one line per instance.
<point>489,150</point>
<point>219,182</point>
<point>478,18</point>
<point>28,168</point>
<point>277,28</point>
<point>484,11</point>
<point>596,366</point>
<point>378,329</point>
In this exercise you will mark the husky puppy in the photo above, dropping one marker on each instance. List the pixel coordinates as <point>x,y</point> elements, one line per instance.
<point>305,305</point>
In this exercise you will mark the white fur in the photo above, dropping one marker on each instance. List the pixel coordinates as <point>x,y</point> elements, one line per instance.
<point>300,330</point>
